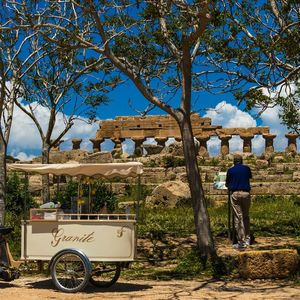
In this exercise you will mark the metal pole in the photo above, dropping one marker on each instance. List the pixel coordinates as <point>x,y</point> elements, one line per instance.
<point>138,198</point>
<point>89,198</point>
<point>26,195</point>
<point>57,187</point>
<point>25,217</point>
<point>233,238</point>
<point>229,216</point>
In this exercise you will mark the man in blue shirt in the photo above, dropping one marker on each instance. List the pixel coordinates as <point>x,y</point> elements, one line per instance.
<point>238,182</point>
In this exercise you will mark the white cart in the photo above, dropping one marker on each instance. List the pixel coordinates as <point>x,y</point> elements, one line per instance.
<point>80,248</point>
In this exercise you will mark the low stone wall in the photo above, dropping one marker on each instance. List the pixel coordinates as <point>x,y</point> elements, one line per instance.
<point>276,180</point>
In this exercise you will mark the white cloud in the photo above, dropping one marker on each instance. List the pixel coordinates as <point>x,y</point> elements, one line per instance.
<point>270,118</point>
<point>128,146</point>
<point>258,144</point>
<point>22,156</point>
<point>25,140</point>
<point>25,137</point>
<point>282,90</point>
<point>228,116</point>
<point>214,146</point>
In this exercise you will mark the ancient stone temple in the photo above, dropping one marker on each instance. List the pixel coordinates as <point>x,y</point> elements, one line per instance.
<point>163,127</point>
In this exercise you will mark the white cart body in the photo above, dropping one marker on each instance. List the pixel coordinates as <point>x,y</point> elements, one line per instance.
<point>99,240</point>
<point>101,237</point>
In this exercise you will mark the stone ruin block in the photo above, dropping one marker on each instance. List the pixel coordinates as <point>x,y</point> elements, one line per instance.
<point>268,264</point>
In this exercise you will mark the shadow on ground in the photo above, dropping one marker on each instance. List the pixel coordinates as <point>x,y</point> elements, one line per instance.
<point>6,285</point>
<point>116,288</point>
<point>266,289</point>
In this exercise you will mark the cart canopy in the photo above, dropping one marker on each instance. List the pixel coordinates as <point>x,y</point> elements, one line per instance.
<point>108,170</point>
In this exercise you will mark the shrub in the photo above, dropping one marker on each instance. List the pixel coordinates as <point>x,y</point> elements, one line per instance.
<point>101,194</point>
<point>173,161</point>
<point>131,192</point>
<point>17,195</point>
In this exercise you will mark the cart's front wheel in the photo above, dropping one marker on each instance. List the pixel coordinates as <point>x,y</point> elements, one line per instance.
<point>105,274</point>
<point>70,270</point>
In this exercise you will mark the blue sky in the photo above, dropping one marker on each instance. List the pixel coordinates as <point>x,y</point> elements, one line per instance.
<point>25,141</point>
<point>119,103</point>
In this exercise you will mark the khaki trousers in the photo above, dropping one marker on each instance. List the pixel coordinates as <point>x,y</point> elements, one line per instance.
<point>240,202</point>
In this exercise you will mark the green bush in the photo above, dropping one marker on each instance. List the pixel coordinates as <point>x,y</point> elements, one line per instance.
<point>131,192</point>
<point>14,238</point>
<point>17,195</point>
<point>15,210</point>
<point>64,196</point>
<point>101,195</point>
<point>215,161</point>
<point>171,161</point>
<point>194,265</point>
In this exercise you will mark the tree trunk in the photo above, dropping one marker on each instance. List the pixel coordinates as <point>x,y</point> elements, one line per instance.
<point>2,178</point>
<point>203,231</point>
<point>45,178</point>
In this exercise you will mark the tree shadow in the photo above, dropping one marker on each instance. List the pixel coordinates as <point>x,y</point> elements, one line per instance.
<point>239,288</point>
<point>5,285</point>
<point>116,288</point>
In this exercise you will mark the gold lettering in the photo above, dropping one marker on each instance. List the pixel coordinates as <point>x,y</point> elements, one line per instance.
<point>59,237</point>
<point>56,236</point>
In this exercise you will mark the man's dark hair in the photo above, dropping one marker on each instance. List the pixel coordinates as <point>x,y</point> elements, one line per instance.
<point>237,159</point>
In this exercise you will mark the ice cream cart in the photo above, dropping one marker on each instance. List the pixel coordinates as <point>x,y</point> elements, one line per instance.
<point>80,248</point>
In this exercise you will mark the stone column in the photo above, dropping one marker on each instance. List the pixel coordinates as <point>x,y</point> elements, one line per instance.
<point>161,141</point>
<point>117,151</point>
<point>76,143</point>
<point>96,144</point>
<point>203,145</point>
<point>138,143</point>
<point>224,143</point>
<point>56,147</point>
<point>118,143</point>
<point>292,142</point>
<point>269,147</point>
<point>247,142</point>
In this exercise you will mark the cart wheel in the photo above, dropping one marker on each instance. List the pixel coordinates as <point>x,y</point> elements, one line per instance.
<point>70,270</point>
<point>105,274</point>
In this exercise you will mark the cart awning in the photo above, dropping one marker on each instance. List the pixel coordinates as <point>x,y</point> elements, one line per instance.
<point>108,170</point>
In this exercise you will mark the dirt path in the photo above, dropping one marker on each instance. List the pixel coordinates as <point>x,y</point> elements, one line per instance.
<point>31,288</point>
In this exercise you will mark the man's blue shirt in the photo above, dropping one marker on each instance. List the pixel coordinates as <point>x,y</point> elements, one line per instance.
<point>238,178</point>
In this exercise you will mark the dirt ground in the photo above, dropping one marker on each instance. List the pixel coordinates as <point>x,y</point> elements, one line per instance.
<point>31,288</point>
<point>38,287</point>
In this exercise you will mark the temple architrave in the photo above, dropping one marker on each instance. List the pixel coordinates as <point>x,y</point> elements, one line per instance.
<point>161,128</point>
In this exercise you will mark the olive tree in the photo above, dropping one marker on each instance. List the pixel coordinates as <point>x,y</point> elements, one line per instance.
<point>254,47</point>
<point>154,44</point>
<point>169,49</point>
<point>67,89</point>
<point>14,65</point>
<point>66,81</point>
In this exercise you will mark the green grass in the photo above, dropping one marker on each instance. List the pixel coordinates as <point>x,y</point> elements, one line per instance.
<point>270,216</point>
<point>275,216</point>
<point>177,222</point>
